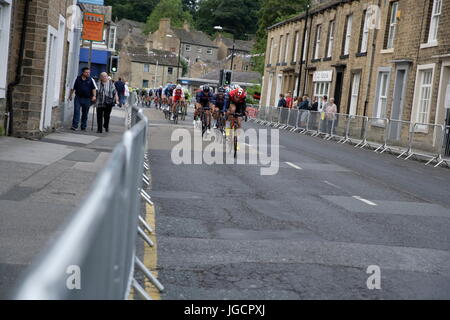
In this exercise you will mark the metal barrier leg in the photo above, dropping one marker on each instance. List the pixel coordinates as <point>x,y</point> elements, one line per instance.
<point>145,224</point>
<point>140,290</point>
<point>148,274</point>
<point>145,237</point>
<point>146,197</point>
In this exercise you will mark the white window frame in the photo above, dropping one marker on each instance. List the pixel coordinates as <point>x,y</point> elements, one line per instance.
<point>354,94</point>
<point>146,67</point>
<point>365,34</point>
<point>59,57</point>
<point>418,96</point>
<point>381,98</point>
<point>348,35</point>
<point>305,48</point>
<point>199,50</point>
<point>287,49</point>
<point>297,38</point>
<point>270,51</point>
<point>321,89</point>
<point>209,51</point>
<point>331,38</point>
<point>50,81</point>
<point>279,49</point>
<point>392,24</point>
<point>318,40</point>
<point>434,21</point>
<point>187,47</point>
<point>5,30</point>
<point>112,42</point>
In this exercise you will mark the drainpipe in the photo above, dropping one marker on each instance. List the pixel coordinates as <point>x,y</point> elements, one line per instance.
<point>12,85</point>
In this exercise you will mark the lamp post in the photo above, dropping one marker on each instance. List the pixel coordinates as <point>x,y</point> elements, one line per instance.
<point>219,28</point>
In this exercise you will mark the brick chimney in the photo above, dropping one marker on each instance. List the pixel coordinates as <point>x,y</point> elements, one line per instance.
<point>164,25</point>
<point>186,26</point>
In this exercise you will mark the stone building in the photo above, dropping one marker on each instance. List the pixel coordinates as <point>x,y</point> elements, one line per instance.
<point>147,68</point>
<point>242,61</point>
<point>377,58</point>
<point>38,40</point>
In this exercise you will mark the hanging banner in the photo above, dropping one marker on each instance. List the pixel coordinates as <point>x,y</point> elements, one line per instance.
<point>96,2</point>
<point>93,24</point>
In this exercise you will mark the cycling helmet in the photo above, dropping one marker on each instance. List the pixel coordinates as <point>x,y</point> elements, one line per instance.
<point>205,89</point>
<point>179,87</point>
<point>240,92</point>
<point>221,90</point>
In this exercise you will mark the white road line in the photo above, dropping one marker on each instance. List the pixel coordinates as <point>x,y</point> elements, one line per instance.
<point>332,184</point>
<point>294,166</point>
<point>370,203</point>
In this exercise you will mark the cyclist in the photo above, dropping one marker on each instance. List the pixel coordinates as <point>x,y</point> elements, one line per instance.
<point>158,97</point>
<point>237,104</point>
<point>178,97</point>
<point>220,102</point>
<point>204,102</point>
<point>187,99</point>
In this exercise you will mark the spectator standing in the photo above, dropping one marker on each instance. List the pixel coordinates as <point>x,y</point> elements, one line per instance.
<point>282,102</point>
<point>120,88</point>
<point>330,114</point>
<point>106,98</point>
<point>289,100</point>
<point>85,91</point>
<point>315,105</point>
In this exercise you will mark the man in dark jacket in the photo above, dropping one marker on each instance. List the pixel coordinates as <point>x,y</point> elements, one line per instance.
<point>120,88</point>
<point>282,102</point>
<point>85,95</point>
<point>305,105</point>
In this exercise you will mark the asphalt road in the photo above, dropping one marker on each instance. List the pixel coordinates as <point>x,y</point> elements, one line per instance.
<point>309,232</point>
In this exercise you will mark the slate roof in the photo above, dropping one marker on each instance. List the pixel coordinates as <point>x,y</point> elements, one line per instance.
<point>241,45</point>
<point>194,37</point>
<point>153,56</point>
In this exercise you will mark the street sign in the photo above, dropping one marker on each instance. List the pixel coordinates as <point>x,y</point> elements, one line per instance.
<point>93,24</point>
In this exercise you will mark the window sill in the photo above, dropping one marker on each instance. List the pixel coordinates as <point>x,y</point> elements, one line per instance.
<point>384,51</point>
<point>361,54</point>
<point>344,57</point>
<point>429,45</point>
<point>327,59</point>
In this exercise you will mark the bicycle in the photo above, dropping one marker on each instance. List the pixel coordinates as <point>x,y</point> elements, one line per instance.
<point>234,127</point>
<point>205,116</point>
<point>178,108</point>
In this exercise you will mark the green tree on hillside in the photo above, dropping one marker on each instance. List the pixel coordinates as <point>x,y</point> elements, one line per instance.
<point>172,9</point>
<point>137,10</point>
<point>272,12</point>
<point>239,16</point>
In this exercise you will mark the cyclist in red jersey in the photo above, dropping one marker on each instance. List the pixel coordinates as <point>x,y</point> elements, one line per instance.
<point>237,104</point>
<point>178,95</point>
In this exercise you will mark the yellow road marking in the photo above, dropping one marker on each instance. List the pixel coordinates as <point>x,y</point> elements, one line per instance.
<point>150,254</point>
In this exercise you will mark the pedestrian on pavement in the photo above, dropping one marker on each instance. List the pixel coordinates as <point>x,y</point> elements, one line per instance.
<point>282,102</point>
<point>120,88</point>
<point>85,95</point>
<point>289,100</point>
<point>106,98</point>
<point>315,104</point>
<point>330,115</point>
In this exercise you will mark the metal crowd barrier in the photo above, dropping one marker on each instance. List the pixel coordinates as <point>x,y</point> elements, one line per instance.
<point>379,134</point>
<point>95,255</point>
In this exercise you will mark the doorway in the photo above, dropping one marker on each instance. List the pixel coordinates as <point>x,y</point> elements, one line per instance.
<point>338,89</point>
<point>397,102</point>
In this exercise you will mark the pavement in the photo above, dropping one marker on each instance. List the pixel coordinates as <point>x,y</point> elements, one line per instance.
<point>309,232</point>
<point>42,184</point>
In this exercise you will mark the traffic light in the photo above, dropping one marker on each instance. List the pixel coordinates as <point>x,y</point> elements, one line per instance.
<point>225,77</point>
<point>114,64</point>
<point>228,76</point>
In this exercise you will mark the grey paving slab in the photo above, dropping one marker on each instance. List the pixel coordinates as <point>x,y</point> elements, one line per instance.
<point>26,151</point>
<point>71,138</point>
<point>82,156</point>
